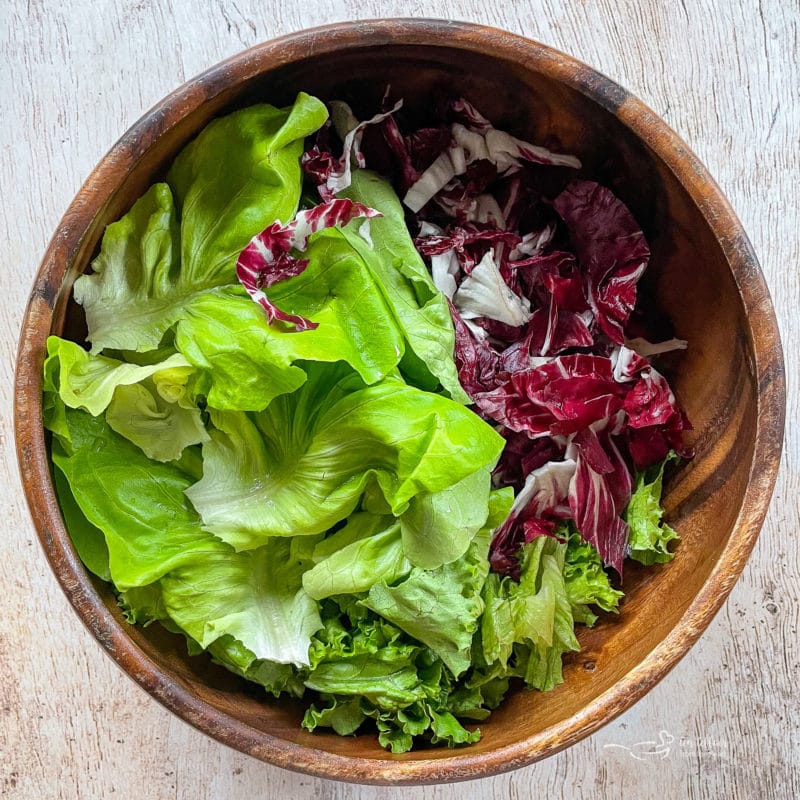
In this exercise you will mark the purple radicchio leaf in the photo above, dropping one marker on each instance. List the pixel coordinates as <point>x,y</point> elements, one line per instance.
<point>521,456</point>
<point>561,397</point>
<point>477,362</point>
<point>333,175</point>
<point>469,242</point>
<point>539,506</point>
<point>655,421</point>
<point>611,249</point>
<point>598,493</point>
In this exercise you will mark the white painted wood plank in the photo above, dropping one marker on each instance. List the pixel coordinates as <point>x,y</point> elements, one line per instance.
<point>724,74</point>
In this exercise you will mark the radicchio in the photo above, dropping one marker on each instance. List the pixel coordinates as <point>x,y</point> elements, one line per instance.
<point>474,139</point>
<point>656,423</point>
<point>479,368</point>
<point>540,504</point>
<point>611,249</point>
<point>561,397</point>
<point>484,293</point>
<point>334,175</point>
<point>521,456</point>
<point>268,259</point>
<point>598,492</point>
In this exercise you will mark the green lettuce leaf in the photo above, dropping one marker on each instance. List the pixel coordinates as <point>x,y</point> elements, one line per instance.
<point>134,396</point>
<point>302,465</point>
<point>54,416</point>
<point>152,533</point>
<point>527,626</point>
<point>138,504</point>
<point>366,668</point>
<point>162,429</point>
<point>441,607</point>
<point>371,311</point>
<point>129,295</point>
<point>143,605</point>
<point>248,362</point>
<point>345,716</point>
<point>275,678</point>
<point>255,597</point>
<point>438,527</point>
<point>367,549</point>
<point>369,659</point>
<point>240,174</point>
<point>543,669</point>
<point>649,535</point>
<point>89,382</point>
<point>388,683</point>
<point>150,265</point>
<point>89,542</point>
<point>586,581</point>
<point>420,309</point>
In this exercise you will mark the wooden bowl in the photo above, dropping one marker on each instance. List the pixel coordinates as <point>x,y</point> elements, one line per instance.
<point>704,276</point>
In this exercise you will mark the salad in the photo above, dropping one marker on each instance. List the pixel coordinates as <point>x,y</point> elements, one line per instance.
<point>376,439</point>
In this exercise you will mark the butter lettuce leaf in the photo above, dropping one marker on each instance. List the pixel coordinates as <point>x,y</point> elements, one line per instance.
<point>129,298</point>
<point>420,309</point>
<point>350,292</point>
<point>143,605</point>
<point>248,362</point>
<point>160,428</point>
<point>239,175</point>
<point>88,539</point>
<point>160,558</point>
<point>303,464</point>
<point>439,526</point>
<point>148,404</point>
<point>256,597</point>
<point>367,549</point>
<point>89,382</point>
<point>149,526</point>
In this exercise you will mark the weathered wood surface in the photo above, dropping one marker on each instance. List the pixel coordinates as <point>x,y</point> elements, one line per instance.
<point>725,75</point>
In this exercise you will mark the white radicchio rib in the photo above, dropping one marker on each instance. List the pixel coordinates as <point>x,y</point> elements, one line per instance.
<point>546,489</point>
<point>533,243</point>
<point>476,141</point>
<point>484,293</point>
<point>506,151</point>
<point>449,163</point>
<point>350,131</point>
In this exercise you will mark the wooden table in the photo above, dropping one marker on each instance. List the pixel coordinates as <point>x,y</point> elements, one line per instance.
<point>724,74</point>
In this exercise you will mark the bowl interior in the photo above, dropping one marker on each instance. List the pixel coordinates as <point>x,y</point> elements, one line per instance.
<point>689,277</point>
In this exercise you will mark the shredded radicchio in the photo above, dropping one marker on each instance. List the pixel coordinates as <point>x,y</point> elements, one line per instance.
<point>541,284</point>
<point>541,289</point>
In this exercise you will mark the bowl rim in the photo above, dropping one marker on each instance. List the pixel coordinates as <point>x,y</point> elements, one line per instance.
<point>65,248</point>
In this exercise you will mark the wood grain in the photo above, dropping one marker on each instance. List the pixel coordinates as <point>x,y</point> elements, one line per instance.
<point>61,727</point>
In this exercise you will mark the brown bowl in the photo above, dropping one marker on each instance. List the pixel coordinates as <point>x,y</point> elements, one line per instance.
<point>704,276</point>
